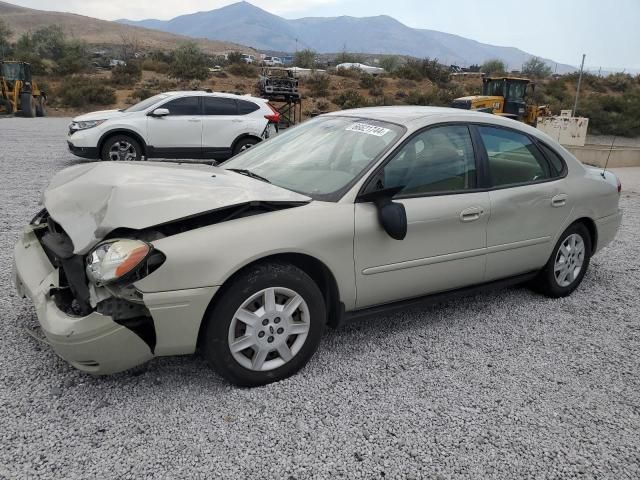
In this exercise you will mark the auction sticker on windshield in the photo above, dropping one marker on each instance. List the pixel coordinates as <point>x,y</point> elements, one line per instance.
<point>368,129</point>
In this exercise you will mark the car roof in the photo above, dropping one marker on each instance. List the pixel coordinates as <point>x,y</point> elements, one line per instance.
<point>416,117</point>
<point>201,93</point>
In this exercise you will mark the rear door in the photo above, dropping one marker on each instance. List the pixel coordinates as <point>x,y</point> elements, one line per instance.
<point>446,214</point>
<point>225,120</point>
<point>529,202</point>
<point>180,132</point>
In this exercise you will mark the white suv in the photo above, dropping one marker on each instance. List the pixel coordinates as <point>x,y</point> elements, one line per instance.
<point>175,125</point>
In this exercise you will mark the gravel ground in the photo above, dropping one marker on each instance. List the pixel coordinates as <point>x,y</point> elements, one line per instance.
<point>506,385</point>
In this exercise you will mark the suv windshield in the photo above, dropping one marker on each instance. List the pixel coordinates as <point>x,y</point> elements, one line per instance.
<point>320,157</point>
<point>144,104</point>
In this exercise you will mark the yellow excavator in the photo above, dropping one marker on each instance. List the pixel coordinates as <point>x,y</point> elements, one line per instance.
<point>505,96</point>
<point>18,92</point>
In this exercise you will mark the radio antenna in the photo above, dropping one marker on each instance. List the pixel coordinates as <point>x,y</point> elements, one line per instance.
<point>608,156</point>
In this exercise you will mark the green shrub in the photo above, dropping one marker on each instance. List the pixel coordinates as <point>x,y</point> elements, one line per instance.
<point>417,70</point>
<point>143,93</point>
<point>189,63</point>
<point>348,72</point>
<point>243,70</point>
<point>612,114</point>
<point>318,85</point>
<point>374,84</point>
<point>350,99</point>
<point>81,91</point>
<point>126,75</point>
<point>152,65</point>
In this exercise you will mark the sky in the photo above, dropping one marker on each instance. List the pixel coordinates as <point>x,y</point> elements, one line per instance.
<point>608,32</point>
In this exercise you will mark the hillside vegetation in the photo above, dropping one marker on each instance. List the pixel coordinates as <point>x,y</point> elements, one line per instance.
<point>64,67</point>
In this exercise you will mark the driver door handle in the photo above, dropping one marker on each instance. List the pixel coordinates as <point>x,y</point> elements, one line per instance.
<point>471,214</point>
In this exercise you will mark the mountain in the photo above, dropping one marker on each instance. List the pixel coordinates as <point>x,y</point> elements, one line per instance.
<point>21,20</point>
<point>249,25</point>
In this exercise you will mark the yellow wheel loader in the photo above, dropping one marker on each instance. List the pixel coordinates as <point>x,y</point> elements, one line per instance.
<point>505,96</point>
<point>18,92</point>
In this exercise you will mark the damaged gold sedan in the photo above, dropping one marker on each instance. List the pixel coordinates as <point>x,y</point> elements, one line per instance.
<point>346,215</point>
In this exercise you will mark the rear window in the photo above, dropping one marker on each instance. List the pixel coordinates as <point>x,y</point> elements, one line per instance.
<point>220,106</point>
<point>245,107</point>
<point>556,162</point>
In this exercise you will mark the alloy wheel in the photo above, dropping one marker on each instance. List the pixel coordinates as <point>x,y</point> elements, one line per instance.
<point>122,151</point>
<point>569,260</point>
<point>269,329</point>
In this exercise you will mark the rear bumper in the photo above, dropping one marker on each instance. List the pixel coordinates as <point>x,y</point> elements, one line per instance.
<point>607,228</point>
<point>84,152</point>
<point>96,343</point>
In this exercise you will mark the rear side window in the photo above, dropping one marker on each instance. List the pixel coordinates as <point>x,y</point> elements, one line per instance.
<point>183,106</point>
<point>556,162</point>
<point>220,106</point>
<point>245,107</point>
<point>513,158</point>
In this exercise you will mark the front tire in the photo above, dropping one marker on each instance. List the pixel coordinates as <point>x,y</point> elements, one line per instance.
<point>41,107</point>
<point>266,325</point>
<point>121,148</point>
<point>27,105</point>
<point>568,263</point>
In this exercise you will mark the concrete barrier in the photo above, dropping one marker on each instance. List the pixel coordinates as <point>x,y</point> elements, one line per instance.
<point>596,155</point>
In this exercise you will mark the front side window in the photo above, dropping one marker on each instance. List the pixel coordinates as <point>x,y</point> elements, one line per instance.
<point>513,158</point>
<point>319,157</point>
<point>220,106</point>
<point>183,106</point>
<point>440,159</point>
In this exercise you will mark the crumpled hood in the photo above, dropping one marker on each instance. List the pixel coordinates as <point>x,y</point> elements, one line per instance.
<point>100,115</point>
<point>91,200</point>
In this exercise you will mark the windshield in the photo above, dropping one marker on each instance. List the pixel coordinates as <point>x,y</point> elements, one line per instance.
<point>11,71</point>
<point>144,104</point>
<point>321,156</point>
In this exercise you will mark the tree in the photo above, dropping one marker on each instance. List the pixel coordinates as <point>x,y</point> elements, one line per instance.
<point>494,66</point>
<point>189,63</point>
<point>49,42</point>
<point>537,68</point>
<point>74,58</point>
<point>234,57</point>
<point>305,58</point>
<point>390,63</point>
<point>5,33</point>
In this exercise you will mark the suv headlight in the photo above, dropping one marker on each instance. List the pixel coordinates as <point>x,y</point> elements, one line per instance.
<point>114,259</point>
<point>85,125</point>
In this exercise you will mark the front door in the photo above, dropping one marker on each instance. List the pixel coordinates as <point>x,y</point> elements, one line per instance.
<point>178,134</point>
<point>447,218</point>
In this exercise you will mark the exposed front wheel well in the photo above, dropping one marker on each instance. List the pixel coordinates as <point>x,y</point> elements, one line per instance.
<point>133,135</point>
<point>313,267</point>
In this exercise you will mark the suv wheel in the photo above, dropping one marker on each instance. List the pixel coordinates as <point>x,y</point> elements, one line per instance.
<point>266,326</point>
<point>121,148</point>
<point>244,144</point>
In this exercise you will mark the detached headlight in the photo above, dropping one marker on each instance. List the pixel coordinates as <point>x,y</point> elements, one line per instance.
<point>85,125</point>
<point>113,260</point>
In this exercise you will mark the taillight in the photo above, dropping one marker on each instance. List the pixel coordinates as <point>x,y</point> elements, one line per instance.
<point>275,117</point>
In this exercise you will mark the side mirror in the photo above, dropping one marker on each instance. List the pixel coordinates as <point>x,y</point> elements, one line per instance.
<point>160,112</point>
<point>391,215</point>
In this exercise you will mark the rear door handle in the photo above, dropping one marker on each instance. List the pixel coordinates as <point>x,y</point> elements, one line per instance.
<point>559,200</point>
<point>194,120</point>
<point>471,214</point>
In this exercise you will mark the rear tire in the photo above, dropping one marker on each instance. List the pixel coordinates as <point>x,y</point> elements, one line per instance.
<point>121,148</point>
<point>41,107</point>
<point>27,105</point>
<point>276,341</point>
<point>567,265</point>
<point>244,144</point>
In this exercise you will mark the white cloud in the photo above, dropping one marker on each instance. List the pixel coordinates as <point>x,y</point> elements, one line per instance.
<point>160,9</point>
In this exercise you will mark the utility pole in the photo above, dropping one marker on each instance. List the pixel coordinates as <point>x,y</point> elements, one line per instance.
<point>575,105</point>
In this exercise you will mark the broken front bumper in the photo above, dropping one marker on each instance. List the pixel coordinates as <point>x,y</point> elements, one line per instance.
<point>94,343</point>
